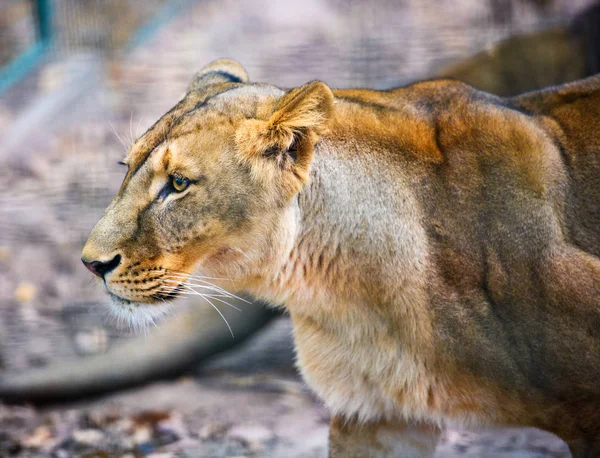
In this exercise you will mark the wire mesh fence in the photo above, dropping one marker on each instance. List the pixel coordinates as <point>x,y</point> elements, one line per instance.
<point>103,25</point>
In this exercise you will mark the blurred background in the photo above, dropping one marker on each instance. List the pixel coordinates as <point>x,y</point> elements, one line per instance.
<point>81,79</point>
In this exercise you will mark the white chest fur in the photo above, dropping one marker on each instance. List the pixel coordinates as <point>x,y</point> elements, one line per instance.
<point>355,286</point>
<point>363,371</point>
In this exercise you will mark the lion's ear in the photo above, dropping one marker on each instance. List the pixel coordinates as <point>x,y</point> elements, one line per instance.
<point>295,124</point>
<point>305,108</point>
<point>219,71</point>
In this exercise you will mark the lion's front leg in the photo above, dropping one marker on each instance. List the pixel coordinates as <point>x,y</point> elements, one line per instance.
<point>350,439</point>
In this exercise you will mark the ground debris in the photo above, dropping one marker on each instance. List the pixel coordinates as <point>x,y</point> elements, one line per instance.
<point>184,418</point>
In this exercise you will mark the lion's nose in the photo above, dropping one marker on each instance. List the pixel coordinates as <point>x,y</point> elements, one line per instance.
<point>101,268</point>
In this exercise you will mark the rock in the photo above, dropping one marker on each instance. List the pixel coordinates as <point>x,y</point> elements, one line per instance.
<point>171,429</point>
<point>145,449</point>
<point>142,434</point>
<point>60,453</point>
<point>39,439</point>
<point>25,292</point>
<point>165,437</point>
<point>186,443</point>
<point>89,437</point>
<point>213,431</point>
<point>254,436</point>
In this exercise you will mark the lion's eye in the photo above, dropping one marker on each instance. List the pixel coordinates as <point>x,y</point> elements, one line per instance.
<point>180,184</point>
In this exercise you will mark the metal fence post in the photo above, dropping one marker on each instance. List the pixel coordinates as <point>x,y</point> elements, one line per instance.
<point>30,58</point>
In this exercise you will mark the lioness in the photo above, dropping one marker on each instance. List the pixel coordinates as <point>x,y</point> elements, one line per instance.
<point>437,247</point>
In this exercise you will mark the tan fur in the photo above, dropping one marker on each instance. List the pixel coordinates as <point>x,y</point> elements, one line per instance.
<point>436,247</point>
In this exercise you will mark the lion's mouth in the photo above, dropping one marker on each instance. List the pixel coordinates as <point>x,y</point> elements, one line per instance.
<point>136,314</point>
<point>119,299</point>
<point>170,295</point>
<point>162,295</point>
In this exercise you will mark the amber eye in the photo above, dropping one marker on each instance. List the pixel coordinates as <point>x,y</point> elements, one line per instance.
<point>180,184</point>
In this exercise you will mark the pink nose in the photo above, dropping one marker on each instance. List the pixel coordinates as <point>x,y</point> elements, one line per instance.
<point>101,268</point>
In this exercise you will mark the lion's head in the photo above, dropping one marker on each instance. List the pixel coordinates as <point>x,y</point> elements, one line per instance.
<point>210,189</point>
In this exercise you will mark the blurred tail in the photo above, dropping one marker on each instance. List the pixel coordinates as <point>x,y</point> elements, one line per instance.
<point>191,337</point>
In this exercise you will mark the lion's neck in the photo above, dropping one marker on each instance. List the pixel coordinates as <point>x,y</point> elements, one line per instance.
<point>357,237</point>
<point>352,277</point>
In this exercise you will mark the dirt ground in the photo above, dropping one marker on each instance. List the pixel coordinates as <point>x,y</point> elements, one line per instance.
<point>247,403</point>
<point>62,132</point>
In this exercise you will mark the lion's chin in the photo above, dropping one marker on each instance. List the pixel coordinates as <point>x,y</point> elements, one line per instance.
<point>136,315</point>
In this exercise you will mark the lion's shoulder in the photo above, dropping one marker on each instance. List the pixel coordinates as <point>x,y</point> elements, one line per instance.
<point>435,93</point>
<point>427,120</point>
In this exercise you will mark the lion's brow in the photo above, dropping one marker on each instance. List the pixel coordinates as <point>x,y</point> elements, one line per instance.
<point>163,129</point>
<point>166,127</point>
<point>156,135</point>
<point>199,105</point>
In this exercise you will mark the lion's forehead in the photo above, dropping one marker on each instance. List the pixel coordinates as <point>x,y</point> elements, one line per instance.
<point>206,109</point>
<point>245,100</point>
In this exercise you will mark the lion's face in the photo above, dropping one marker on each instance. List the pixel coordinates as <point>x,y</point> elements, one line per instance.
<point>209,189</point>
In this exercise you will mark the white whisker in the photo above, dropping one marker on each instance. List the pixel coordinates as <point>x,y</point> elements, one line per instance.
<point>206,284</point>
<point>137,129</point>
<point>201,277</point>
<point>192,292</point>
<point>222,316</point>
<point>209,296</point>
<point>213,288</point>
<point>186,279</point>
<point>118,136</point>
<point>226,303</point>
<point>131,128</point>
<point>225,270</point>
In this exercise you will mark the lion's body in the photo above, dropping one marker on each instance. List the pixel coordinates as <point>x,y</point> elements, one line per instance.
<point>436,247</point>
<point>463,232</point>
